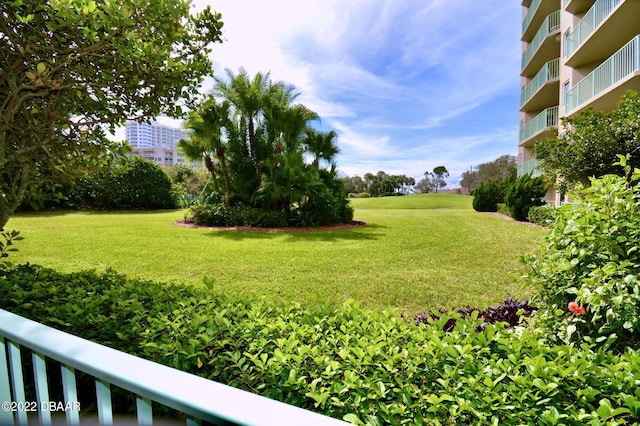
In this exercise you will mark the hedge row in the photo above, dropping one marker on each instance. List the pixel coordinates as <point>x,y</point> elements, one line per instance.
<point>222,215</point>
<point>366,366</point>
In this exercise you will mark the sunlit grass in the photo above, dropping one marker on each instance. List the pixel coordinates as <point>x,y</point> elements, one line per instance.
<point>419,252</point>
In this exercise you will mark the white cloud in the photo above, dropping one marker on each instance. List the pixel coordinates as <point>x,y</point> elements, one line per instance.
<point>385,74</point>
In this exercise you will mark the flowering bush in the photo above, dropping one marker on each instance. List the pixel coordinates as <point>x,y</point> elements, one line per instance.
<point>592,258</point>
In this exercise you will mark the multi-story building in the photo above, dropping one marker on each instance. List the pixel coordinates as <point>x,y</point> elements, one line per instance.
<point>156,142</point>
<point>575,54</point>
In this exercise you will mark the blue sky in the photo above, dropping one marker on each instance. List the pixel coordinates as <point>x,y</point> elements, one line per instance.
<point>408,85</point>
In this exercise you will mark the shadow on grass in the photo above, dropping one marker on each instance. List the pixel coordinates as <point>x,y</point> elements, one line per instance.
<point>64,212</point>
<point>368,232</point>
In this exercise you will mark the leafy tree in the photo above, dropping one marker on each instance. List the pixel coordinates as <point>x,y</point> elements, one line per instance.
<point>591,142</point>
<point>439,175</point>
<point>426,184</point>
<point>470,179</point>
<point>501,169</point>
<point>354,185</point>
<point>71,67</point>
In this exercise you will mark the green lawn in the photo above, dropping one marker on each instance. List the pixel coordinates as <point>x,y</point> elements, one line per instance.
<point>420,252</point>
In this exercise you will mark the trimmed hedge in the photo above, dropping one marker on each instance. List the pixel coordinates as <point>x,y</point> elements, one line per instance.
<point>366,366</point>
<point>222,215</point>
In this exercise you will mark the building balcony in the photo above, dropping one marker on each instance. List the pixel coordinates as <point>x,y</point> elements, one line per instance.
<point>544,46</point>
<point>604,28</point>
<point>542,91</point>
<point>603,88</point>
<point>577,6</point>
<point>527,167</point>
<point>539,127</point>
<point>538,10</point>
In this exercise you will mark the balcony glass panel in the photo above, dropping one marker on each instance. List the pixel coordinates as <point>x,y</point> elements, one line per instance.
<point>546,119</point>
<point>529,167</point>
<point>530,13</point>
<point>622,64</point>
<point>551,24</point>
<point>549,71</point>
<point>591,20</point>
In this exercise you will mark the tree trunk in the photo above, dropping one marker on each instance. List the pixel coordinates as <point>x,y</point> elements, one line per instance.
<point>209,165</point>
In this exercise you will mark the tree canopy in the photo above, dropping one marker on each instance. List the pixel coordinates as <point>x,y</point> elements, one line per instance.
<point>499,170</point>
<point>439,175</point>
<point>591,142</point>
<point>71,69</point>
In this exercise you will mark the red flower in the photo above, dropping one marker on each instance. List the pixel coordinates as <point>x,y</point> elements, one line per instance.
<point>576,309</point>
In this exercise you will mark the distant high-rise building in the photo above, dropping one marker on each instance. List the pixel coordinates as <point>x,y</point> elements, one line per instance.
<point>156,142</point>
<point>144,135</point>
<point>575,54</point>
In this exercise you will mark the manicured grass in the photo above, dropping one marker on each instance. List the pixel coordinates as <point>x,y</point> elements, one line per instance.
<point>420,252</point>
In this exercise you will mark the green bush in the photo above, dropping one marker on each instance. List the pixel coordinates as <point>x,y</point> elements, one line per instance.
<point>542,215</point>
<point>365,366</point>
<point>222,215</point>
<point>129,183</point>
<point>326,207</point>
<point>487,196</point>
<point>592,258</point>
<point>359,195</point>
<point>524,193</point>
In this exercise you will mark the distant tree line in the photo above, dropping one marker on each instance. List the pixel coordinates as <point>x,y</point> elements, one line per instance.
<point>499,170</point>
<point>379,185</point>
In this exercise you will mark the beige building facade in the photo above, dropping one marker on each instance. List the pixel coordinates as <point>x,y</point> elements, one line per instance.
<point>575,54</point>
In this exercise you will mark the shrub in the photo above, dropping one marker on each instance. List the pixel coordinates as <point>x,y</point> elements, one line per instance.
<point>359,195</point>
<point>325,207</point>
<point>542,215</point>
<point>502,209</point>
<point>222,215</point>
<point>524,193</point>
<point>487,196</point>
<point>130,183</point>
<point>366,366</point>
<point>592,257</point>
<point>510,311</point>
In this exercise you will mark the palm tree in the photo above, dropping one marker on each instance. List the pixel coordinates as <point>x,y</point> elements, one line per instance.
<point>286,125</point>
<point>322,145</point>
<point>206,138</point>
<point>247,97</point>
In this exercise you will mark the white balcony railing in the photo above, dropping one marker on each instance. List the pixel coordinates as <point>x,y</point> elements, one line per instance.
<point>549,71</point>
<point>198,398</point>
<point>600,10</point>
<point>620,65</point>
<point>545,120</point>
<point>550,25</point>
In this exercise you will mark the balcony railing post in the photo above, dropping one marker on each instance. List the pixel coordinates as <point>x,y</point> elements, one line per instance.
<point>17,382</point>
<point>42,388</point>
<point>70,392</point>
<point>6,416</point>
